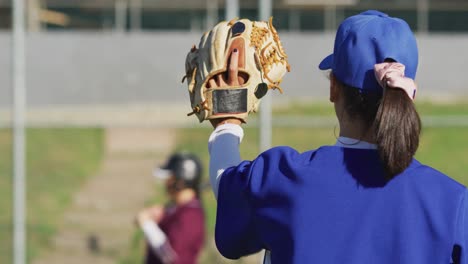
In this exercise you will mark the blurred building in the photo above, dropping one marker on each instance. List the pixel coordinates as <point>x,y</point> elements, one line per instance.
<point>195,15</point>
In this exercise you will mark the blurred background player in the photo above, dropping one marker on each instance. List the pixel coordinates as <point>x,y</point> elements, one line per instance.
<point>175,232</point>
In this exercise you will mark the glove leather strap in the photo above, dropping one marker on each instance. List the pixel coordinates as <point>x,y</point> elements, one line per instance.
<point>229,101</point>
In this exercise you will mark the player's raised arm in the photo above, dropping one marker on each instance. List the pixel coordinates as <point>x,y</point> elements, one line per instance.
<point>233,67</point>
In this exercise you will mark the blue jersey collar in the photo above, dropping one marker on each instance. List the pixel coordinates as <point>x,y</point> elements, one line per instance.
<point>346,142</point>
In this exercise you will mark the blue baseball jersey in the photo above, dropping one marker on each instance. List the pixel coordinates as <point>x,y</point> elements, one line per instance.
<point>333,205</point>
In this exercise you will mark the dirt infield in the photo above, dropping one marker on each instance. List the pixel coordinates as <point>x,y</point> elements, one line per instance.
<point>98,225</point>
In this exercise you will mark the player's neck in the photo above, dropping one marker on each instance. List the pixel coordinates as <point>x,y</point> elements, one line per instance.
<point>351,127</point>
<point>185,196</point>
<point>355,129</point>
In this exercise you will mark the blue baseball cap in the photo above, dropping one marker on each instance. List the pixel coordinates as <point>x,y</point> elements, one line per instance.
<point>366,39</point>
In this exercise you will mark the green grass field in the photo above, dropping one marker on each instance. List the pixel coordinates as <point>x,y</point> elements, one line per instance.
<point>58,161</point>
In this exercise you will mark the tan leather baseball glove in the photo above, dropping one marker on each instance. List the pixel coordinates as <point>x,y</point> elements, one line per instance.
<point>262,63</point>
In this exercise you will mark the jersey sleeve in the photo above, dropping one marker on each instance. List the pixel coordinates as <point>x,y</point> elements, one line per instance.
<point>460,252</point>
<point>243,192</point>
<point>223,146</point>
<point>157,242</point>
<point>235,232</point>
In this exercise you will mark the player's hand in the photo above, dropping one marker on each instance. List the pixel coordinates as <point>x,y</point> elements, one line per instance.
<point>154,213</point>
<point>229,78</point>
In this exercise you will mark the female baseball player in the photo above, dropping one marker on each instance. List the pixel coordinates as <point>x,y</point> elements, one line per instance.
<point>175,234</point>
<point>364,199</point>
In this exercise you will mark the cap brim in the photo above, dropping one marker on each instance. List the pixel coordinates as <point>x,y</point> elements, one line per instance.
<point>161,174</point>
<point>326,63</point>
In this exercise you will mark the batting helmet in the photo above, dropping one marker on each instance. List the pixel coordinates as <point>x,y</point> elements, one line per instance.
<point>185,167</point>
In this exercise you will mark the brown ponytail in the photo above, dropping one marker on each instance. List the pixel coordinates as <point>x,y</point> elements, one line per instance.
<point>397,128</point>
<point>393,118</point>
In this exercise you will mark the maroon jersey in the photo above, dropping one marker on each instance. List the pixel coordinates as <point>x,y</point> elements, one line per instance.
<point>184,227</point>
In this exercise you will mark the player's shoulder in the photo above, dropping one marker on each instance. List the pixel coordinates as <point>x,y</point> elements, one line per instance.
<point>193,206</point>
<point>433,177</point>
<point>286,153</point>
<point>280,151</point>
<point>191,210</point>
